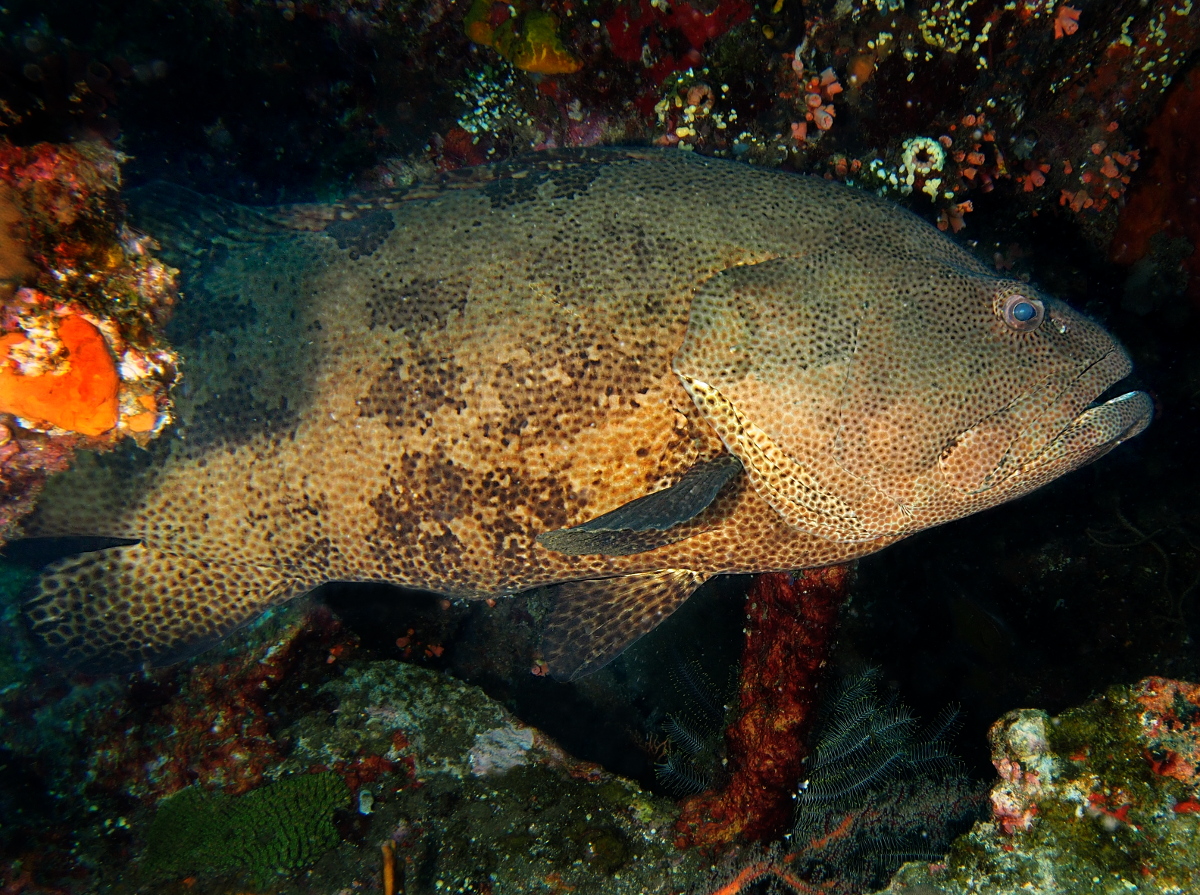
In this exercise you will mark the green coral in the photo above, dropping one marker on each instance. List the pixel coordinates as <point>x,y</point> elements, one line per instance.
<point>275,829</point>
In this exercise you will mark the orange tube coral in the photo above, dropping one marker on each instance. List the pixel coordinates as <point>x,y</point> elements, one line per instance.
<point>389,869</point>
<point>80,396</point>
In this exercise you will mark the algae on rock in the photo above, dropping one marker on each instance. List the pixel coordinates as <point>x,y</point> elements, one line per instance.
<point>1103,799</point>
<point>477,800</point>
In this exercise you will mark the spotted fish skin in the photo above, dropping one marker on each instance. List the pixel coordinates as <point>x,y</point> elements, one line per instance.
<point>413,388</point>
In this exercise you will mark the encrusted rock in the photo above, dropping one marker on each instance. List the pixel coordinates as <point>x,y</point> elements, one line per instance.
<point>476,801</point>
<point>1100,799</point>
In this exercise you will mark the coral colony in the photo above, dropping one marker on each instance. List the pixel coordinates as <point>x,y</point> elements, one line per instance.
<point>82,360</point>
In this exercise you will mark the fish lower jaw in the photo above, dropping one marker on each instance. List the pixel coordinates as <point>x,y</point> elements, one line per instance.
<point>1117,419</point>
<point>1091,435</point>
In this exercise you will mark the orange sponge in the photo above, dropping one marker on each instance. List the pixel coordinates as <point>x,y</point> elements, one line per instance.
<point>81,398</point>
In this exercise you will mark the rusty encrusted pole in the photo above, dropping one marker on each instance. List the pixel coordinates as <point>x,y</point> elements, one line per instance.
<point>791,618</point>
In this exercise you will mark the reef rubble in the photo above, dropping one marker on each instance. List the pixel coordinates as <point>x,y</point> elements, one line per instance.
<point>1102,798</point>
<point>483,802</point>
<point>291,761</point>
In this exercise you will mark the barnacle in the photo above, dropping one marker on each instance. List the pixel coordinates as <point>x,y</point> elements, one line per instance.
<point>922,157</point>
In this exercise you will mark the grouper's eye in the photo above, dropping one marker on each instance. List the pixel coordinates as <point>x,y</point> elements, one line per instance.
<point>1022,313</point>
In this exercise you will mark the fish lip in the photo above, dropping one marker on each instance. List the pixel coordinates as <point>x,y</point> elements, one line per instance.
<point>1136,412</point>
<point>1072,441</point>
<point>1100,425</point>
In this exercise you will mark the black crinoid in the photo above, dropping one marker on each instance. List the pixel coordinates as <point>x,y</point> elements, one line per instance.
<point>694,747</point>
<point>880,790</point>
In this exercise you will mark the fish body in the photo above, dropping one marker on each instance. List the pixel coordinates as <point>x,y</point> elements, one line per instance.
<point>614,372</point>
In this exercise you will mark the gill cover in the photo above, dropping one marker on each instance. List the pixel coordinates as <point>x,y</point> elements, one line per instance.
<point>766,357</point>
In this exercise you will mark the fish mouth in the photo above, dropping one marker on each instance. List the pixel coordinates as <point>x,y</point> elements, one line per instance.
<point>1082,424</point>
<point>1107,424</point>
<point>1064,423</point>
<point>1119,414</point>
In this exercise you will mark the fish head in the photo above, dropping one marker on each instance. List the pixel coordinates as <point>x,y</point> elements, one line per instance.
<point>995,396</point>
<point>1045,417</point>
<point>891,397</point>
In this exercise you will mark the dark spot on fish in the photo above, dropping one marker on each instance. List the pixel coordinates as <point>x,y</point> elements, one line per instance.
<point>1187,714</point>
<point>418,306</point>
<point>404,526</point>
<point>362,235</point>
<point>505,192</point>
<point>202,310</point>
<point>573,180</point>
<point>414,509</point>
<point>515,186</point>
<point>413,401</point>
<point>202,313</point>
<point>238,415</point>
<point>315,554</point>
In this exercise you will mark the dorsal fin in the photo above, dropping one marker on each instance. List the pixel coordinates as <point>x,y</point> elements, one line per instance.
<point>186,222</point>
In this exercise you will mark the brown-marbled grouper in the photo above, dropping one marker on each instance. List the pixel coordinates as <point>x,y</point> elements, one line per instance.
<point>613,372</point>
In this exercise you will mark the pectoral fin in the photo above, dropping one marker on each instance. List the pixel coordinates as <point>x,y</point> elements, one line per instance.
<point>646,523</point>
<point>594,621</point>
<point>128,607</point>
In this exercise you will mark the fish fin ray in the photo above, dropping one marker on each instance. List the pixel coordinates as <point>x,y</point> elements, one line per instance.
<point>594,621</point>
<point>186,222</point>
<point>645,523</point>
<point>129,607</point>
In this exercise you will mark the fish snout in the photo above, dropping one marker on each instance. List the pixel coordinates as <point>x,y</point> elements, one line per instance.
<point>1077,427</point>
<point>1054,428</point>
